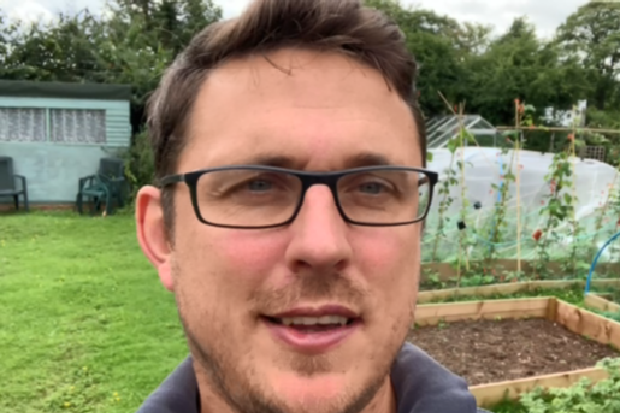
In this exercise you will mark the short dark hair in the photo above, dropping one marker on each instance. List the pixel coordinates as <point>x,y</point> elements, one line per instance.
<point>341,26</point>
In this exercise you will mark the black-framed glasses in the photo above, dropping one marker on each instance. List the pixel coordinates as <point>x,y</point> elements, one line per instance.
<point>255,196</point>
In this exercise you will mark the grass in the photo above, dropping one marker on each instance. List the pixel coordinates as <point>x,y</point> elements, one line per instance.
<point>85,325</point>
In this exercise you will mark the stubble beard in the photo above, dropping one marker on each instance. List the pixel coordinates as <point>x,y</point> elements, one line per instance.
<point>241,389</point>
<point>242,393</point>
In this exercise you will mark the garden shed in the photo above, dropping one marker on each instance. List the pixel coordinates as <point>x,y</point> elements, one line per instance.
<point>57,132</point>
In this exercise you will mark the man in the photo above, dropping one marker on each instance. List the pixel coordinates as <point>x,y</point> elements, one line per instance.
<point>289,153</point>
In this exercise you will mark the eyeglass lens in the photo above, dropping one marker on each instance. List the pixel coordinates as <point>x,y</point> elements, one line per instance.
<point>251,197</point>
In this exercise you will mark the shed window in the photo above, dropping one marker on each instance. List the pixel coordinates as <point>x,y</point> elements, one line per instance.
<point>77,126</point>
<point>23,125</point>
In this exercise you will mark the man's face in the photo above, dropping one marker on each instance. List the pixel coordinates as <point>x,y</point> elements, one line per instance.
<point>319,116</point>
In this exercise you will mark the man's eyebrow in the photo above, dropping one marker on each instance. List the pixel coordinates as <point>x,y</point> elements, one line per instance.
<point>279,161</point>
<point>355,161</point>
<point>367,159</point>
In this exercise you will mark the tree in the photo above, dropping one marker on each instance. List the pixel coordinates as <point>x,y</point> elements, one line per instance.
<point>519,65</point>
<point>441,46</point>
<point>143,37</point>
<point>591,36</point>
<point>137,39</point>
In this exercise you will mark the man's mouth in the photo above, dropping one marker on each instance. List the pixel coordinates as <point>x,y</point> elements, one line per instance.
<point>312,323</point>
<point>313,330</point>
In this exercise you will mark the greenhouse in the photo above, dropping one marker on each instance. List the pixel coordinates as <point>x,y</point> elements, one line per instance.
<point>441,129</point>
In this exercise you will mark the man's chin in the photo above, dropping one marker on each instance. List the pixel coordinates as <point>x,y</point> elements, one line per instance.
<point>324,392</point>
<point>323,385</point>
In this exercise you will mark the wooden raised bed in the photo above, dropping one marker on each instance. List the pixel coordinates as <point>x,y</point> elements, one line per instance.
<point>575,319</point>
<point>444,271</point>
<point>510,288</point>
<point>599,302</point>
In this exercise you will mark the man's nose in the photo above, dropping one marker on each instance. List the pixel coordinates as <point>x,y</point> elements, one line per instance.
<point>320,236</point>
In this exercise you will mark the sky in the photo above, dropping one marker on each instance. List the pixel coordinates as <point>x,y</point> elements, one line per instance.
<point>545,14</point>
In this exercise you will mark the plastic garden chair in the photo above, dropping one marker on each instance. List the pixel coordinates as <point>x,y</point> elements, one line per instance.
<point>94,188</point>
<point>113,172</point>
<point>12,184</point>
<point>106,185</point>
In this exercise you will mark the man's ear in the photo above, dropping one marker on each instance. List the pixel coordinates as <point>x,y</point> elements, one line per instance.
<point>151,232</point>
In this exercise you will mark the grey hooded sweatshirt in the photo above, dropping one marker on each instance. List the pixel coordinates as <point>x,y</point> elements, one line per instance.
<point>421,385</point>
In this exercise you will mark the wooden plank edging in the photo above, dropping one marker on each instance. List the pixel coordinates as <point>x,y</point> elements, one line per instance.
<point>593,300</point>
<point>431,314</point>
<point>588,324</point>
<point>492,393</point>
<point>508,288</point>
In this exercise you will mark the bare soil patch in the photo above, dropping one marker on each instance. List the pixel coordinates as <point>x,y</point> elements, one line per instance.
<point>485,351</point>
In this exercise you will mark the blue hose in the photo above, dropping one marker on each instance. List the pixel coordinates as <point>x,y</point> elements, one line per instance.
<point>609,241</point>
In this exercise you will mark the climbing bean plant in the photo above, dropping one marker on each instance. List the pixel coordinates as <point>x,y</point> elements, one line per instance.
<point>499,226</point>
<point>464,241</point>
<point>614,207</point>
<point>499,229</point>
<point>446,199</point>
<point>558,208</point>
<point>453,178</point>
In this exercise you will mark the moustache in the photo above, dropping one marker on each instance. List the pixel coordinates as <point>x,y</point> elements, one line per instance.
<point>309,288</point>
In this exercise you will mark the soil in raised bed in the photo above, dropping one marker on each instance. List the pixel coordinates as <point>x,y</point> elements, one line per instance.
<point>486,351</point>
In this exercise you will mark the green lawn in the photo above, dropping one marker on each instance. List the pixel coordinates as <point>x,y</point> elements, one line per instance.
<point>85,325</point>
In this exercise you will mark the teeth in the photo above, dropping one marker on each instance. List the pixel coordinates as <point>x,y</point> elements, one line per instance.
<point>309,321</point>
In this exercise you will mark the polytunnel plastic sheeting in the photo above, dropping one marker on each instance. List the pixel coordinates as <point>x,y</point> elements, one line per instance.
<point>592,182</point>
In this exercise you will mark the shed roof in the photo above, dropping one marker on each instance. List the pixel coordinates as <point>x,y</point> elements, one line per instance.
<point>64,90</point>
